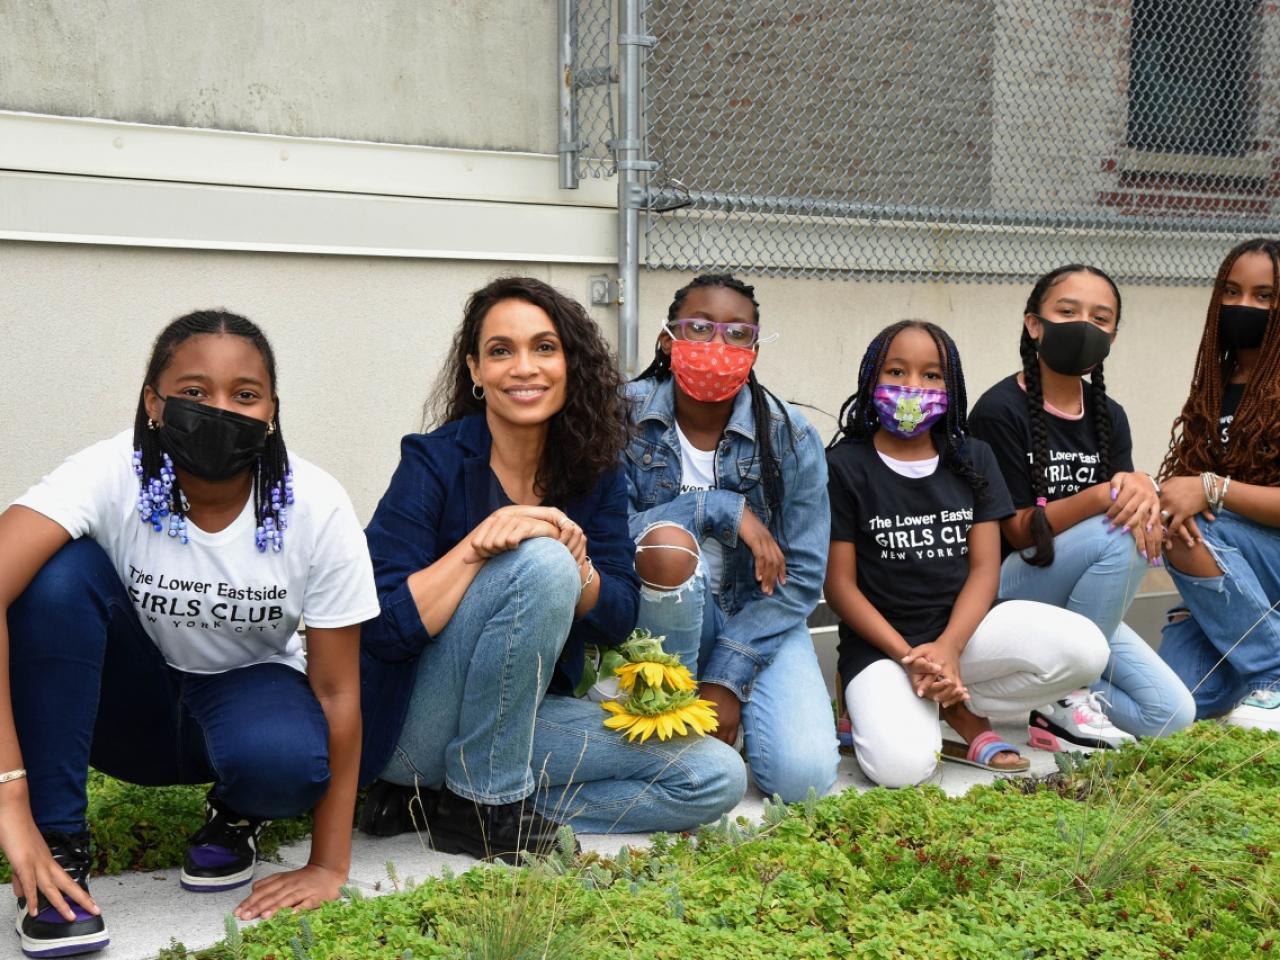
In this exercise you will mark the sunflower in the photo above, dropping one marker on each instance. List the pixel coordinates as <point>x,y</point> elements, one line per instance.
<point>655,674</point>
<point>694,715</point>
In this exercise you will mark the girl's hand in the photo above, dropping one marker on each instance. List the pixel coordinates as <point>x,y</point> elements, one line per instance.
<point>505,529</point>
<point>1181,498</point>
<point>934,669</point>
<point>771,565</point>
<point>1135,509</point>
<point>34,869</point>
<point>297,889</point>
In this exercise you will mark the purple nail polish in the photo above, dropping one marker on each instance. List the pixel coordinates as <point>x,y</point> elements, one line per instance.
<point>1144,554</point>
<point>1114,493</point>
<point>1159,561</point>
<point>1149,528</point>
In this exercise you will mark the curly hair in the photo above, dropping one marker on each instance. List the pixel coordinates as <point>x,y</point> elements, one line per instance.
<point>858,418</point>
<point>1041,532</point>
<point>586,436</point>
<point>1195,444</point>
<point>660,369</point>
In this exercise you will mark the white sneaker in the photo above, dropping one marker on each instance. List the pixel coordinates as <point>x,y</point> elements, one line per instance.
<point>1078,720</point>
<point>1260,710</point>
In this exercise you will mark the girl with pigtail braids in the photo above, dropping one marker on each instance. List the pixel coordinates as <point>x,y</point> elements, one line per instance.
<point>729,512</point>
<point>1221,499</point>
<point>1065,451</point>
<point>151,587</point>
<point>914,568</point>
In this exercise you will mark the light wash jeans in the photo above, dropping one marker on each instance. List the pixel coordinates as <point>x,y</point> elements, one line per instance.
<point>1206,649</point>
<point>896,734</point>
<point>1097,573</point>
<point>787,724</point>
<point>478,721</point>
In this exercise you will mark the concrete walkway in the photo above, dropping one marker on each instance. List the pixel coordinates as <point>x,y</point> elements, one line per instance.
<point>145,910</point>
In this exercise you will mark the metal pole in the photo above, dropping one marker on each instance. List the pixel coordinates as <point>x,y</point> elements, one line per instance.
<point>568,145</point>
<point>627,151</point>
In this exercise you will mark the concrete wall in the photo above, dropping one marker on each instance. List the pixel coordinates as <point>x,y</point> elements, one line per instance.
<point>359,340</point>
<point>469,73</point>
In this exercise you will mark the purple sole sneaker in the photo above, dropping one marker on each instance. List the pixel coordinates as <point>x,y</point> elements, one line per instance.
<point>211,868</point>
<point>47,934</point>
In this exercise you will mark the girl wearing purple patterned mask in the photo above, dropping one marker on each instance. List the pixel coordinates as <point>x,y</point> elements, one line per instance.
<point>913,570</point>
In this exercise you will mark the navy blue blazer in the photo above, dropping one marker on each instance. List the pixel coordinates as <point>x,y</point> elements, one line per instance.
<point>439,493</point>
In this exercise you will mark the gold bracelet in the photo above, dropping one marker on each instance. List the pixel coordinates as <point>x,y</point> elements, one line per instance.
<point>13,775</point>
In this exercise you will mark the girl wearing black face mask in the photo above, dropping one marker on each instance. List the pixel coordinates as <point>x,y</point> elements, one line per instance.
<point>1224,466</point>
<point>1087,525</point>
<point>151,589</point>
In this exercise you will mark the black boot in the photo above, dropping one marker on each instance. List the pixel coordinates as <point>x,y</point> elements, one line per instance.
<point>491,831</point>
<point>390,809</point>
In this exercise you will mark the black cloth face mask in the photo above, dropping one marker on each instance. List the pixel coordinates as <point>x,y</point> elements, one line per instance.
<point>1072,347</point>
<point>207,442</point>
<point>1242,327</point>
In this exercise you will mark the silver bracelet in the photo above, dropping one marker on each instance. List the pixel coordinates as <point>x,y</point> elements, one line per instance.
<point>1222,497</point>
<point>13,775</point>
<point>591,575</point>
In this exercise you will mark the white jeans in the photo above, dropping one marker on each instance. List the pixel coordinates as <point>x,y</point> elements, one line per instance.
<point>1023,655</point>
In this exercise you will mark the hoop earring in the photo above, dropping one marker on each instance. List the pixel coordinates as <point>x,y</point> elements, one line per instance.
<point>477,391</point>
<point>271,427</point>
<point>152,425</point>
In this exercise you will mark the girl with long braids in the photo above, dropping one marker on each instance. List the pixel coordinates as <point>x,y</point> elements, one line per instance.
<point>729,511</point>
<point>501,550</point>
<point>151,590</point>
<point>914,568</point>
<point>1223,465</point>
<point>1087,525</point>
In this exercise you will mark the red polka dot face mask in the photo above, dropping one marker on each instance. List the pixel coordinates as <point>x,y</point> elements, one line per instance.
<point>711,371</point>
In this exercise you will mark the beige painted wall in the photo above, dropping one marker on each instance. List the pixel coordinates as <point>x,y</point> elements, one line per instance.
<point>360,339</point>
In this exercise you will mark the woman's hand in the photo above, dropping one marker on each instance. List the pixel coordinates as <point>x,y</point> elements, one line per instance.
<point>1181,498</point>
<point>934,669</point>
<point>566,530</point>
<point>298,889</point>
<point>1135,508</point>
<point>771,565</point>
<point>505,529</point>
<point>34,869</point>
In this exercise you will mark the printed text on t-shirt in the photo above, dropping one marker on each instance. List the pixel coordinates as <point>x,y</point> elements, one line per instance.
<point>218,604</point>
<point>925,536</point>
<point>1069,471</point>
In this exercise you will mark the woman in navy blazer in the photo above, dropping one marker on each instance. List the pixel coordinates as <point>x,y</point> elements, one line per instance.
<point>500,548</point>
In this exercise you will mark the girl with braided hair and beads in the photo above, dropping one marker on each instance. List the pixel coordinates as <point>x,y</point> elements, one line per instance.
<point>727,485</point>
<point>1221,497</point>
<point>1087,525</point>
<point>151,589</point>
<point>914,568</point>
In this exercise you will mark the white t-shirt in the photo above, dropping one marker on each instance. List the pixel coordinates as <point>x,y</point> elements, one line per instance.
<point>217,603</point>
<point>698,472</point>
<point>911,468</point>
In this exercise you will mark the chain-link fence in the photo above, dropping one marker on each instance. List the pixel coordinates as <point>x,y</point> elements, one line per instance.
<point>960,138</point>
<point>591,74</point>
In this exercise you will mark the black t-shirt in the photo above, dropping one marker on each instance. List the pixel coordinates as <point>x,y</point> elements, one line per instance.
<point>1231,395</point>
<point>1001,418</point>
<point>911,539</point>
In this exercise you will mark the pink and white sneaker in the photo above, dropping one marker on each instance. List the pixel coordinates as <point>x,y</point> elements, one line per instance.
<point>1076,720</point>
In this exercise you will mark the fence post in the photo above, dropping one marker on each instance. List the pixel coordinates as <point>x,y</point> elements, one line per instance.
<point>627,149</point>
<point>568,146</point>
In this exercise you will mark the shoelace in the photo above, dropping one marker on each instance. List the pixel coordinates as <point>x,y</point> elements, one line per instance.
<point>222,831</point>
<point>1090,703</point>
<point>70,856</point>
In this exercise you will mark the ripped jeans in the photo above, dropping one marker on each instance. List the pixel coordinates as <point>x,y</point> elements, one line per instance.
<point>1230,643</point>
<point>787,728</point>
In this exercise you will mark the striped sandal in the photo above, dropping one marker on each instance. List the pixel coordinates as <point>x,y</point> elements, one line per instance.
<point>984,748</point>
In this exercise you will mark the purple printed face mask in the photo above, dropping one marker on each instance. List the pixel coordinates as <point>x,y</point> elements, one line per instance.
<point>908,411</point>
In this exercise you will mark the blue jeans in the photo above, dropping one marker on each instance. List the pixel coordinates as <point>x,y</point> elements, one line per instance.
<point>787,724</point>
<point>479,723</point>
<point>89,687</point>
<point>1097,574</point>
<point>1230,644</point>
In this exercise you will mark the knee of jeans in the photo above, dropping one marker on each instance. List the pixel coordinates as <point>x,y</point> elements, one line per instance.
<point>717,784</point>
<point>274,780</point>
<point>548,567</point>
<point>1182,712</point>
<point>899,765</point>
<point>666,556</point>
<point>800,767</point>
<point>66,575</point>
<point>1120,551</point>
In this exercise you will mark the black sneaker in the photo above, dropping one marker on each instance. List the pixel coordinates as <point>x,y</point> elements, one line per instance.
<point>49,933</point>
<point>390,809</point>
<point>223,852</point>
<point>490,831</point>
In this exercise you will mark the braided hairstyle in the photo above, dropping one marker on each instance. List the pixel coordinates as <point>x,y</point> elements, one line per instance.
<point>1195,444</point>
<point>1041,531</point>
<point>858,419</point>
<point>660,369</point>
<point>271,473</point>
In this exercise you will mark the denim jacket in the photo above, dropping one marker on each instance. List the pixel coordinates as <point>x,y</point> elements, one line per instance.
<point>755,623</point>
<point>438,494</point>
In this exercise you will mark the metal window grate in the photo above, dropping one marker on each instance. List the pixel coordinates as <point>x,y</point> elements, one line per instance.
<point>959,139</point>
